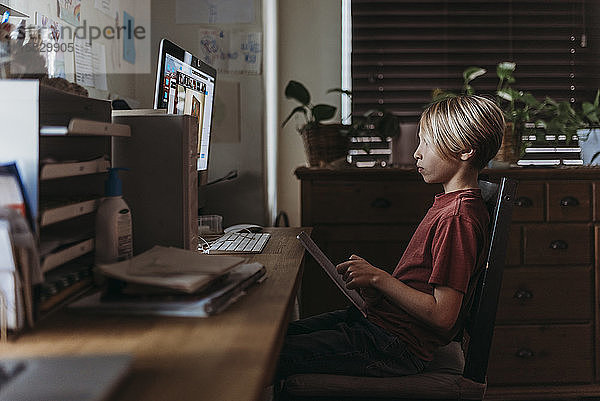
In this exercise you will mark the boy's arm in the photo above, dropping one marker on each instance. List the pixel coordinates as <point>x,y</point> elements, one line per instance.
<point>439,310</point>
<point>371,295</point>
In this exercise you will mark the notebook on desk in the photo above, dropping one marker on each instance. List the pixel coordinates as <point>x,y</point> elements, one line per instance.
<point>64,378</point>
<point>207,303</point>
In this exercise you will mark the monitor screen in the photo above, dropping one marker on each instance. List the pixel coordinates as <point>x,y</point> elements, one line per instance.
<point>186,85</point>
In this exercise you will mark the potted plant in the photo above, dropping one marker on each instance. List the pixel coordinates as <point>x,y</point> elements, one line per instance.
<point>323,143</point>
<point>379,128</point>
<point>523,112</point>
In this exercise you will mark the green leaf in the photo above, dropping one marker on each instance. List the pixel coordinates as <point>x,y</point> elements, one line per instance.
<point>440,94</point>
<point>295,90</point>
<point>529,100</point>
<point>323,112</point>
<point>555,126</point>
<point>299,109</point>
<point>597,99</point>
<point>565,109</point>
<point>590,112</point>
<point>342,91</point>
<point>551,102</point>
<point>505,70</point>
<point>505,94</point>
<point>587,108</point>
<point>471,73</point>
<point>371,112</point>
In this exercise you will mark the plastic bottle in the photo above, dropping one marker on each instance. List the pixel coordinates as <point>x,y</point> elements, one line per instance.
<point>114,238</point>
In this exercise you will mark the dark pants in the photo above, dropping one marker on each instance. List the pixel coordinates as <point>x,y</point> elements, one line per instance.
<point>345,343</point>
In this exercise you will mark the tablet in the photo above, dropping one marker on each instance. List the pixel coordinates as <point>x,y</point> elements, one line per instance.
<point>331,271</point>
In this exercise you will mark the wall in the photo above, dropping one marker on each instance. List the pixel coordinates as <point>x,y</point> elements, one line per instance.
<point>241,200</point>
<point>309,52</point>
<point>309,47</point>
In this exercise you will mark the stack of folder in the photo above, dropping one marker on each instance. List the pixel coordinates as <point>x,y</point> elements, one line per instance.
<point>173,282</point>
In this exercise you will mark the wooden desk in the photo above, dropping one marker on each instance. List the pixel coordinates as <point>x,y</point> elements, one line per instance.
<point>229,357</point>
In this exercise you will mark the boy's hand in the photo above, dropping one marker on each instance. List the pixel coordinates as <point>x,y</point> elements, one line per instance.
<point>358,273</point>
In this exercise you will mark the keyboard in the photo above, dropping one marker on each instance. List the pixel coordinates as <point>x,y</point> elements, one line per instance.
<point>240,243</point>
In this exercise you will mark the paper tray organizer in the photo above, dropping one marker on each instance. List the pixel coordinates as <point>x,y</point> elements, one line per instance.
<point>67,254</point>
<point>55,214</point>
<point>70,151</point>
<point>72,169</point>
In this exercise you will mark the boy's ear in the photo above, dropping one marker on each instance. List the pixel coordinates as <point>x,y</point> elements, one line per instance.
<point>467,154</point>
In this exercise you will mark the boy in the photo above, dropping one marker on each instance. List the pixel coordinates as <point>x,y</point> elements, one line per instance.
<point>421,306</point>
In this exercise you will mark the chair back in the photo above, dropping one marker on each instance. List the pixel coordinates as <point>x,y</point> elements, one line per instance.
<point>480,327</point>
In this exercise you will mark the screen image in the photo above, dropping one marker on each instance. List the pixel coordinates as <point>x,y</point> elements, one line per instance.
<point>187,90</point>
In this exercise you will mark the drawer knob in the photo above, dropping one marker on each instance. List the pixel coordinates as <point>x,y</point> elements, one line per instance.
<point>559,245</point>
<point>523,295</point>
<point>381,203</point>
<point>569,201</point>
<point>524,353</point>
<point>523,201</point>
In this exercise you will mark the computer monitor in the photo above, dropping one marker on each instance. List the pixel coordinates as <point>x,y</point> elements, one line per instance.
<point>186,85</point>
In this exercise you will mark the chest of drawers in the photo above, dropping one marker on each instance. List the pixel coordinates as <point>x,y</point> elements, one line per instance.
<point>546,343</point>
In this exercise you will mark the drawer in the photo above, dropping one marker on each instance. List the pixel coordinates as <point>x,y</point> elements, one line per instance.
<point>596,212</point>
<point>569,201</point>
<point>513,250</point>
<point>370,202</point>
<point>541,354</point>
<point>546,294</point>
<point>552,244</point>
<point>529,202</point>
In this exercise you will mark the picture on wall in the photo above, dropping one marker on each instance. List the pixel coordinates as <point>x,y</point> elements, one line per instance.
<point>69,11</point>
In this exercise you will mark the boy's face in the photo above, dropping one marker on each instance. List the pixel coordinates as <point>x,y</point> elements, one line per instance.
<point>431,165</point>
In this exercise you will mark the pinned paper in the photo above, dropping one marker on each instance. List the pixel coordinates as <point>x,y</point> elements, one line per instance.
<point>128,38</point>
<point>232,52</point>
<point>99,65</point>
<point>108,7</point>
<point>214,11</point>
<point>52,39</point>
<point>84,73</point>
<point>70,11</point>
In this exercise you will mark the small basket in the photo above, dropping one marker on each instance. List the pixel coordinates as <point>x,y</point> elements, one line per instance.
<point>324,144</point>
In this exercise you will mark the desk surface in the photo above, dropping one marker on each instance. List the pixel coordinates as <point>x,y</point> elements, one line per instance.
<point>229,357</point>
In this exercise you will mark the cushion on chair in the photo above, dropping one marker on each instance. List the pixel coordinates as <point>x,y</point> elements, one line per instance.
<point>447,359</point>
<point>441,379</point>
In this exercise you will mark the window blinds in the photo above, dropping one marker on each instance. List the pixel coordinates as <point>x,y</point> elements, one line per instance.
<point>402,50</point>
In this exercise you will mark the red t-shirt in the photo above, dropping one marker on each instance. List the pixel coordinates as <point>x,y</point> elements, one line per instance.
<point>446,249</point>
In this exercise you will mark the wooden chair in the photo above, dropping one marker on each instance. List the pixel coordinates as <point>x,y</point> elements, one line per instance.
<point>451,375</point>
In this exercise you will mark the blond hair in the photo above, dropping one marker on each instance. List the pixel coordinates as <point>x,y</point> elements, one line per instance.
<point>460,123</point>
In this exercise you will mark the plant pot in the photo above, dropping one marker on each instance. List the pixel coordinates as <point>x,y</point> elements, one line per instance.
<point>589,142</point>
<point>509,150</point>
<point>324,144</point>
<point>404,145</point>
